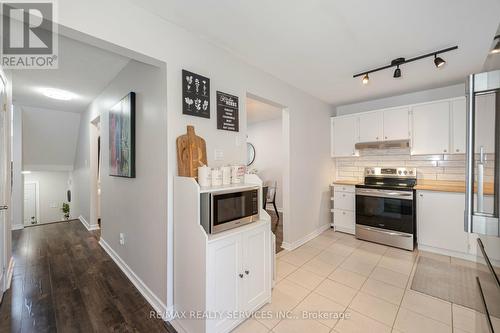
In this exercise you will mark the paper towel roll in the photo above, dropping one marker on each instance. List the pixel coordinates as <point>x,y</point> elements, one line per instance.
<point>204,176</point>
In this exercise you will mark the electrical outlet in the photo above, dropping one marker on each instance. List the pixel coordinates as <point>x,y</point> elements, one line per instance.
<point>122,238</point>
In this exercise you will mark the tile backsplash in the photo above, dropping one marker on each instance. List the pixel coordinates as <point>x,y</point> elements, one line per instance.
<point>433,167</point>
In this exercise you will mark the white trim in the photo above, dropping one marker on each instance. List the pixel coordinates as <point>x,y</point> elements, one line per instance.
<point>152,299</point>
<point>87,225</point>
<point>47,167</point>
<point>17,227</point>
<point>456,254</point>
<point>305,239</point>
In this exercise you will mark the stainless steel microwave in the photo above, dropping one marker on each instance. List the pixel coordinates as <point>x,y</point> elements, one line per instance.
<point>227,209</point>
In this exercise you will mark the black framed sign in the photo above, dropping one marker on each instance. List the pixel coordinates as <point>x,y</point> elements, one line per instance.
<point>227,112</point>
<point>195,94</point>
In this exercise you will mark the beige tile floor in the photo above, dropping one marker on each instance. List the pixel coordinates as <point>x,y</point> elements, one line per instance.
<point>369,283</point>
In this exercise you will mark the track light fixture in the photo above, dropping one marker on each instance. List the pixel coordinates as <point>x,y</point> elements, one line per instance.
<point>496,49</point>
<point>366,79</point>
<point>438,62</point>
<point>397,73</point>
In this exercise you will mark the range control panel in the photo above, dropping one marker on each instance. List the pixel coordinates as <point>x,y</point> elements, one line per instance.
<point>391,172</point>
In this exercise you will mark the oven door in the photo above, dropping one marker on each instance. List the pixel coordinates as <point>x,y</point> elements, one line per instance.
<point>232,209</point>
<point>385,209</point>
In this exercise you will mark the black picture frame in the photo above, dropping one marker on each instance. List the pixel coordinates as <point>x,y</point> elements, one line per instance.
<point>228,112</point>
<point>121,125</point>
<point>195,95</point>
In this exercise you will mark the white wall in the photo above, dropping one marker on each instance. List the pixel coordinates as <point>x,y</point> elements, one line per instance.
<point>49,139</point>
<point>404,99</point>
<point>53,186</point>
<point>133,206</point>
<point>309,129</point>
<point>267,138</point>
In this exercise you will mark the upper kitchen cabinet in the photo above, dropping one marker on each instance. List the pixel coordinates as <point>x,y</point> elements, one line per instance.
<point>371,126</point>
<point>343,136</point>
<point>431,128</point>
<point>458,125</point>
<point>396,124</point>
<point>485,123</point>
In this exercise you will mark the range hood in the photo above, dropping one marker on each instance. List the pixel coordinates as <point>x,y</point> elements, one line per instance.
<point>390,144</point>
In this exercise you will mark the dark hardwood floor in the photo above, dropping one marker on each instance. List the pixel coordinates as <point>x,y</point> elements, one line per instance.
<point>65,282</point>
<point>277,228</point>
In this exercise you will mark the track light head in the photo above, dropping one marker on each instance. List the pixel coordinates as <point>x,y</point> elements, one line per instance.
<point>496,49</point>
<point>438,61</point>
<point>397,73</point>
<point>366,79</point>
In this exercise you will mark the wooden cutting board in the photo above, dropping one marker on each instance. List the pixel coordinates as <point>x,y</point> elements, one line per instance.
<point>191,153</point>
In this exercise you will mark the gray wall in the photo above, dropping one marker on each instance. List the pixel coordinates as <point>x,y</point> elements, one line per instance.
<point>136,207</point>
<point>410,98</point>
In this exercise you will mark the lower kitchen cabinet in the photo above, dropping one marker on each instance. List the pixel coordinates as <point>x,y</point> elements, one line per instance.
<point>440,221</point>
<point>344,200</point>
<point>238,276</point>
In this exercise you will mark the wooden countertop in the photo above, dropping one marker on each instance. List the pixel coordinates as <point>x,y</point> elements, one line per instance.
<point>448,186</point>
<point>346,182</point>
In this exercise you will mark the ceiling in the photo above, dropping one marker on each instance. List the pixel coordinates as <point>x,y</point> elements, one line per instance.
<point>83,70</point>
<point>318,45</point>
<point>258,111</point>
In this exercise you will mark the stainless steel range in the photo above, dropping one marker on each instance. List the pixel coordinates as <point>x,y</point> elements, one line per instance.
<point>385,207</point>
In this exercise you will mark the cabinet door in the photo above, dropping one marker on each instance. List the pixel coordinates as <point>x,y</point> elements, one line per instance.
<point>485,123</point>
<point>458,121</point>
<point>440,220</point>
<point>224,281</point>
<point>371,127</point>
<point>344,221</point>
<point>256,286</point>
<point>396,124</point>
<point>343,200</point>
<point>431,128</point>
<point>344,135</point>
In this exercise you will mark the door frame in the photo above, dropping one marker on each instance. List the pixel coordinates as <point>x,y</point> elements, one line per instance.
<point>37,199</point>
<point>94,133</point>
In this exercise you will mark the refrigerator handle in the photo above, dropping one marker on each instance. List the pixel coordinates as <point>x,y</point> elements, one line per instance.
<point>469,166</point>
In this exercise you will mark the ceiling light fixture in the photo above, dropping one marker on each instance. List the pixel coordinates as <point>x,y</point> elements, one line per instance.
<point>397,73</point>
<point>438,61</point>
<point>496,49</point>
<point>366,79</point>
<point>59,94</point>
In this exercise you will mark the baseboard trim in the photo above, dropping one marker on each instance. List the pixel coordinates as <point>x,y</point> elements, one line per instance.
<point>17,227</point>
<point>153,300</point>
<point>456,254</point>
<point>292,246</point>
<point>87,225</point>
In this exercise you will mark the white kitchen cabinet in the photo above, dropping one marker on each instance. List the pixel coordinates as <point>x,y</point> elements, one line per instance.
<point>371,126</point>
<point>344,202</point>
<point>431,128</point>
<point>458,125</point>
<point>344,136</point>
<point>396,124</point>
<point>440,221</point>
<point>485,123</point>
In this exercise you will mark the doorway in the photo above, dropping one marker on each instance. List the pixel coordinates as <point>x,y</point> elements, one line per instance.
<point>266,156</point>
<point>95,171</point>
<point>31,203</point>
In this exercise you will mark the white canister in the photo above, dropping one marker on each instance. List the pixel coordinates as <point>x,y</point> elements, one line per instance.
<point>204,176</point>
<point>216,177</point>
<point>226,175</point>
<point>237,174</point>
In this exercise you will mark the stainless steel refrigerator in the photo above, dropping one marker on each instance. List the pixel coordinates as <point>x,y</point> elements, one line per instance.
<point>482,209</point>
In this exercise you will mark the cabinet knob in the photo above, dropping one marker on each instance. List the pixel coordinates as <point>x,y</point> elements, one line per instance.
<point>421,195</point>
<point>385,138</point>
<point>457,150</point>
<point>343,195</point>
<point>343,213</point>
<point>444,150</point>
<point>377,137</point>
<point>247,272</point>
<point>241,275</point>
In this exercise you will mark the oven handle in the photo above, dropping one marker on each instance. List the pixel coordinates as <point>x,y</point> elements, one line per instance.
<point>390,233</point>
<point>385,194</point>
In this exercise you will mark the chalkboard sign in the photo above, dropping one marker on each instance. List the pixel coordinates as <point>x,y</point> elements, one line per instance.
<point>227,112</point>
<point>195,95</point>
